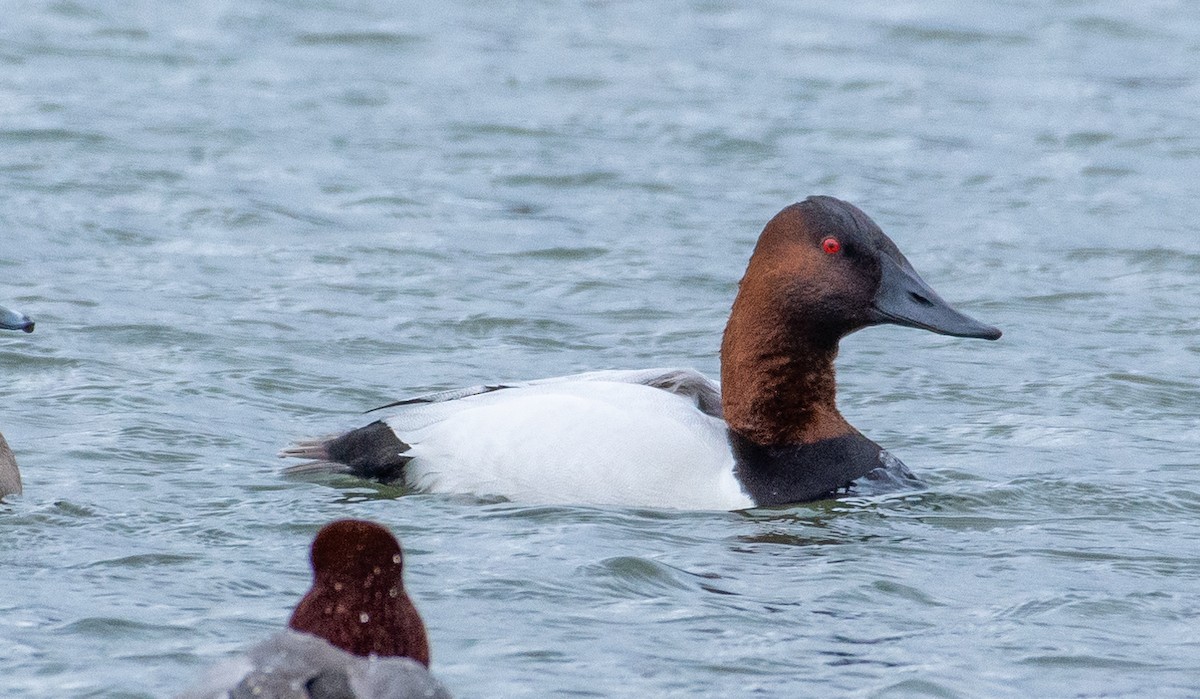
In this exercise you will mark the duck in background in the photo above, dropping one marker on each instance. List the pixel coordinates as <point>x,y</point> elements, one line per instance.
<point>769,434</point>
<point>354,635</point>
<point>10,477</point>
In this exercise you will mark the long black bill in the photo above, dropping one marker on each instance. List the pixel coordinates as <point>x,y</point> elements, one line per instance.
<point>11,320</point>
<point>904,298</point>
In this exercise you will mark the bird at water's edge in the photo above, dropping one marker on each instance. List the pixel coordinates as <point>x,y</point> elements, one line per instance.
<point>769,434</point>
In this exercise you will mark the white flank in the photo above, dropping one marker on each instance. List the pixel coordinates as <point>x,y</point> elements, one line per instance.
<point>604,438</point>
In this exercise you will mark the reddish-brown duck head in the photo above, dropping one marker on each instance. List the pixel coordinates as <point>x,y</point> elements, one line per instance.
<point>357,601</point>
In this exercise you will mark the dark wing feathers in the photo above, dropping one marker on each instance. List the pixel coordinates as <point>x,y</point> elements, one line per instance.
<point>443,396</point>
<point>688,383</point>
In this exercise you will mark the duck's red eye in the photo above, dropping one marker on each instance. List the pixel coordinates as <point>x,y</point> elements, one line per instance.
<point>831,246</point>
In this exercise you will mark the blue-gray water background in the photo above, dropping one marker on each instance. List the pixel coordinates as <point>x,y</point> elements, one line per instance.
<point>237,223</point>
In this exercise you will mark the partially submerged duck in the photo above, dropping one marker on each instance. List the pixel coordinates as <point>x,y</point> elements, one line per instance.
<point>769,434</point>
<point>11,320</point>
<point>354,635</point>
<point>10,477</point>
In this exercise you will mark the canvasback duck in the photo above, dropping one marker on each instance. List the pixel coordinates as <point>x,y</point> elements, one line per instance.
<point>10,476</point>
<point>769,434</point>
<point>354,635</point>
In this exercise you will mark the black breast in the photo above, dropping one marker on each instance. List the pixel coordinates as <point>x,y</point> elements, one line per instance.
<point>791,473</point>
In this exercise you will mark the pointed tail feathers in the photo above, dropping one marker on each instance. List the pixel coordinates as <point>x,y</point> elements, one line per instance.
<point>373,452</point>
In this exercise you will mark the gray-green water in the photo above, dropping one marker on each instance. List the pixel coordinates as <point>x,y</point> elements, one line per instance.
<point>237,223</point>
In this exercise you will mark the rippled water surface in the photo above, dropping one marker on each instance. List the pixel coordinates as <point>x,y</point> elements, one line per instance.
<point>237,223</point>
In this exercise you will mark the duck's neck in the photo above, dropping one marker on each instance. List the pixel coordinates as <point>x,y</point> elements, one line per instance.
<point>779,395</point>
<point>778,384</point>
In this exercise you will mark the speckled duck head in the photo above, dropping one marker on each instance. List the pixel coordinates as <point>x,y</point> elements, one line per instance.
<point>357,601</point>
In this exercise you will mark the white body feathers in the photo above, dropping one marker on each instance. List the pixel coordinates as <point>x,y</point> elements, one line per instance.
<point>635,438</point>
